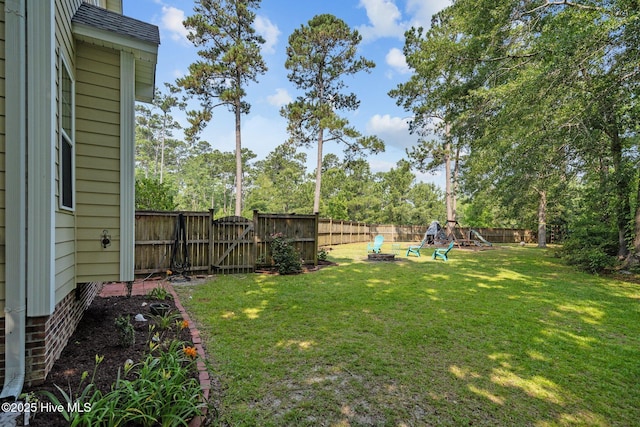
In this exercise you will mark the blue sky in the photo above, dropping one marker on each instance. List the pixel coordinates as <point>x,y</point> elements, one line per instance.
<point>380,22</point>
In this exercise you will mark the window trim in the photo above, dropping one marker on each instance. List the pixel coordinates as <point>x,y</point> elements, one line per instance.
<point>64,138</point>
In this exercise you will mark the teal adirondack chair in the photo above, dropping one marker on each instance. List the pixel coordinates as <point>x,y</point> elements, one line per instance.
<point>376,245</point>
<point>416,248</point>
<point>443,253</point>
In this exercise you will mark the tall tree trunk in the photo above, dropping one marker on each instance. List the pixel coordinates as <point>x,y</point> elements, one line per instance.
<point>162,142</point>
<point>238,211</point>
<point>456,183</point>
<point>316,197</point>
<point>621,192</point>
<point>156,161</point>
<point>633,258</point>
<point>542,219</point>
<point>449,197</point>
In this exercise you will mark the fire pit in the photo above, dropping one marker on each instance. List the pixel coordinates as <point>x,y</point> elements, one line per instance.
<point>381,257</point>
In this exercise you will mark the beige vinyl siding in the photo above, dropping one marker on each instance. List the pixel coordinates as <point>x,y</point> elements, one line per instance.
<point>2,159</point>
<point>65,222</point>
<point>112,5</point>
<point>65,9</point>
<point>97,162</point>
<point>64,255</point>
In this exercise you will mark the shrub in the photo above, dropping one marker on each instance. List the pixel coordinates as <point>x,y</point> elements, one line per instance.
<point>126,332</point>
<point>593,260</point>
<point>285,257</point>
<point>591,247</point>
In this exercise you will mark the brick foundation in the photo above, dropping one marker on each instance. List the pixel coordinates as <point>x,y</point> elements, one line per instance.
<point>47,336</point>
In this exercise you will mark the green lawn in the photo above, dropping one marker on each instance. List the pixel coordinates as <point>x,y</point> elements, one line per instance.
<point>503,337</point>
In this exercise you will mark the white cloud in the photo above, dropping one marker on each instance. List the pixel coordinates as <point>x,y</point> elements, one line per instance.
<point>172,21</point>
<point>396,60</point>
<point>379,165</point>
<point>382,163</point>
<point>394,131</point>
<point>422,11</point>
<point>385,19</point>
<point>386,123</point>
<point>269,31</point>
<point>280,98</point>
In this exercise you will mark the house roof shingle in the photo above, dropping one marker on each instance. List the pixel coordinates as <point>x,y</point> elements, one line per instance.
<point>106,20</point>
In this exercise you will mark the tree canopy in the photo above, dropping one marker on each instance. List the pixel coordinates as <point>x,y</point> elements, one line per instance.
<point>530,107</point>
<point>537,95</point>
<point>319,56</point>
<point>230,59</point>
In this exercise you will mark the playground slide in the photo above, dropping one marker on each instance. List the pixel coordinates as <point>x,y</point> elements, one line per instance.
<point>479,237</point>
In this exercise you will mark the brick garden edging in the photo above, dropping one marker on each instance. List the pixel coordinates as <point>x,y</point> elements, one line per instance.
<point>203,373</point>
<point>142,288</point>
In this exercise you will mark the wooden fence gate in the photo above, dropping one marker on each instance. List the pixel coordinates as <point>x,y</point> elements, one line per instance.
<point>232,245</point>
<point>239,245</point>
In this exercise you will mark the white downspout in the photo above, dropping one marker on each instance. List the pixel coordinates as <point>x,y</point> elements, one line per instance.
<point>15,198</point>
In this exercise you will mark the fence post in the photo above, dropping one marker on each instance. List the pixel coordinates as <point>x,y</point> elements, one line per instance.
<point>211,239</point>
<point>330,231</point>
<point>315,252</point>
<point>256,216</point>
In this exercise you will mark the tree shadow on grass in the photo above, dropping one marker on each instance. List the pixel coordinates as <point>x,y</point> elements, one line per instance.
<point>507,337</point>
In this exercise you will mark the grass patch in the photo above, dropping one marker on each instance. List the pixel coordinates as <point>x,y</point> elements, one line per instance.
<point>501,337</point>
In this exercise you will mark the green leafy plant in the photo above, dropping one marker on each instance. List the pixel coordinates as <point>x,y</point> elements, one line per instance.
<point>322,254</point>
<point>165,321</point>
<point>160,293</point>
<point>591,247</point>
<point>163,391</point>
<point>151,194</point>
<point>127,334</point>
<point>285,256</point>
<point>72,406</point>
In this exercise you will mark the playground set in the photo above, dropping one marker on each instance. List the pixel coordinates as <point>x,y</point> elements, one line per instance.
<point>435,237</point>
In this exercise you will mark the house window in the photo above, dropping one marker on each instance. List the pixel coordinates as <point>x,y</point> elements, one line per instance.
<point>66,151</point>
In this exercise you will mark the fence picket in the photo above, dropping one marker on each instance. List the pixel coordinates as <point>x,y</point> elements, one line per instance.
<point>206,243</point>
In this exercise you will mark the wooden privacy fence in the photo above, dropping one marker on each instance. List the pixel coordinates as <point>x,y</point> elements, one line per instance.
<point>503,235</point>
<point>225,245</point>
<point>155,234</point>
<point>336,232</point>
<point>237,244</point>
<point>415,233</point>
<point>302,230</point>
<point>232,245</point>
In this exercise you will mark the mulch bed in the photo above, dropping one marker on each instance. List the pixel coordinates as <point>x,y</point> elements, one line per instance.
<point>97,335</point>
